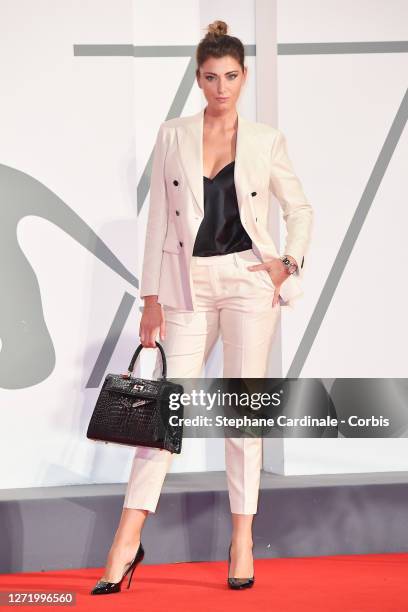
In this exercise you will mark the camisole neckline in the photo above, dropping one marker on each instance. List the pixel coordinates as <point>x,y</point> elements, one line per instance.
<point>219,172</point>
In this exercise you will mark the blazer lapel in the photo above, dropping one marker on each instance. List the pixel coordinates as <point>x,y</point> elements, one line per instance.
<point>190,147</point>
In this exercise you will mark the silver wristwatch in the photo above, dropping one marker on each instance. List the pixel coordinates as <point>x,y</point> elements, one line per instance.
<point>290,266</point>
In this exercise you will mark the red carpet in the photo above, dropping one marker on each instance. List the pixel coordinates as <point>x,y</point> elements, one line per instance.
<point>346,583</point>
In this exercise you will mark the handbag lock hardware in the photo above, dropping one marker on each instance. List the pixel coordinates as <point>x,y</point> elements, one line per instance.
<point>138,386</point>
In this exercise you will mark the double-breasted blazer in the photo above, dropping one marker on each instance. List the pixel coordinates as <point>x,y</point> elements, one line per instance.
<point>176,206</point>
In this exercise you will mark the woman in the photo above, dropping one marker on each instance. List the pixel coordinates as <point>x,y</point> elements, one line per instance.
<point>210,266</point>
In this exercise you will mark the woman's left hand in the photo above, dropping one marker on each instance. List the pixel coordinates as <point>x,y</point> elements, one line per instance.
<point>278,273</point>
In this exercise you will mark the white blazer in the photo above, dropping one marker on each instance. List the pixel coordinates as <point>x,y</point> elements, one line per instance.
<point>176,205</point>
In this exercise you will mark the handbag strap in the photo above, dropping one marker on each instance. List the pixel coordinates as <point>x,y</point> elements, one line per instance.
<point>136,355</point>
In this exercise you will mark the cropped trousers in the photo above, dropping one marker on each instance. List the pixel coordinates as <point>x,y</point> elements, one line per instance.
<point>236,303</point>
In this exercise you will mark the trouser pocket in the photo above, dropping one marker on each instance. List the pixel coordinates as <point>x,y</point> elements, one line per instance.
<point>248,258</point>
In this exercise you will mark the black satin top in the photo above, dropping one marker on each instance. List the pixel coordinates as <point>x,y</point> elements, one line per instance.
<point>221,230</point>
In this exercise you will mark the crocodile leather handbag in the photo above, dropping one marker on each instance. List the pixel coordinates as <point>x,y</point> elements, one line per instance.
<point>136,411</point>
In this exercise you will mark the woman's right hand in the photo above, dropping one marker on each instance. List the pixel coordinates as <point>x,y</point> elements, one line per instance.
<point>151,322</point>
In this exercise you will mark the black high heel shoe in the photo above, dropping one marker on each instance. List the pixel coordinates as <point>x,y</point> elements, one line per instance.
<point>103,588</point>
<point>238,583</point>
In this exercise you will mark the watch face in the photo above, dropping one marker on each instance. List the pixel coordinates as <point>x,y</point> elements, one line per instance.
<point>290,267</point>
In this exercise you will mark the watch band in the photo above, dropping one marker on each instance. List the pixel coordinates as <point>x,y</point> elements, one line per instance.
<point>290,266</point>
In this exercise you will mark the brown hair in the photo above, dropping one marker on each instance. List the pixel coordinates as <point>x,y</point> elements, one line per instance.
<point>217,43</point>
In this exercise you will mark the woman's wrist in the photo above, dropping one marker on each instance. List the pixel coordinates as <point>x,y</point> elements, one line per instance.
<point>289,263</point>
<point>151,301</point>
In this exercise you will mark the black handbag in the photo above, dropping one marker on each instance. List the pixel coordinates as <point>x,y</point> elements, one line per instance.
<point>136,411</point>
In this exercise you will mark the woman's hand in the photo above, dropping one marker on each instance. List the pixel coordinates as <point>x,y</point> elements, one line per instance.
<point>151,322</point>
<point>278,273</point>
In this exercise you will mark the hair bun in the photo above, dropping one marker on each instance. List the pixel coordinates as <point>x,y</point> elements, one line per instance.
<point>218,28</point>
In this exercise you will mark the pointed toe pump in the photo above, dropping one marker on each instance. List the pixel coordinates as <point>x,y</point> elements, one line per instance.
<point>238,583</point>
<point>103,587</point>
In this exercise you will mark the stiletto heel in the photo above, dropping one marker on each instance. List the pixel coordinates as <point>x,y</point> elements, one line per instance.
<point>103,587</point>
<point>131,576</point>
<point>238,583</point>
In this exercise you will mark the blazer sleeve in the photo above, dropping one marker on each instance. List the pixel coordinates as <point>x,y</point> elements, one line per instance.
<point>297,211</point>
<point>157,219</point>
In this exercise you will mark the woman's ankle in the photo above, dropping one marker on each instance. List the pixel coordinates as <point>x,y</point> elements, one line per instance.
<point>124,549</point>
<point>242,540</point>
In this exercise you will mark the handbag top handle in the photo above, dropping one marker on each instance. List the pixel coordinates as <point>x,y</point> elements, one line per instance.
<point>136,355</point>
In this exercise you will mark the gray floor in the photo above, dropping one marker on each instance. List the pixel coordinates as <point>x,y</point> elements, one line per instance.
<point>208,481</point>
<point>73,526</point>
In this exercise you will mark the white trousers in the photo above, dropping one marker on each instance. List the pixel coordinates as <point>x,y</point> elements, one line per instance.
<point>236,303</point>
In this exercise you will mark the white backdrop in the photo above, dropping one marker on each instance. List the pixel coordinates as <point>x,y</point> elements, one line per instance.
<point>336,110</point>
<point>83,126</point>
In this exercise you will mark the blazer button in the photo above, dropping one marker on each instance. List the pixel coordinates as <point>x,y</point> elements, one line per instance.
<point>180,243</point>
<point>253,193</point>
<point>175,182</point>
<point>177,212</point>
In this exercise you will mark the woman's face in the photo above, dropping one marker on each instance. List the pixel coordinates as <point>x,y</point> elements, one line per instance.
<point>221,79</point>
